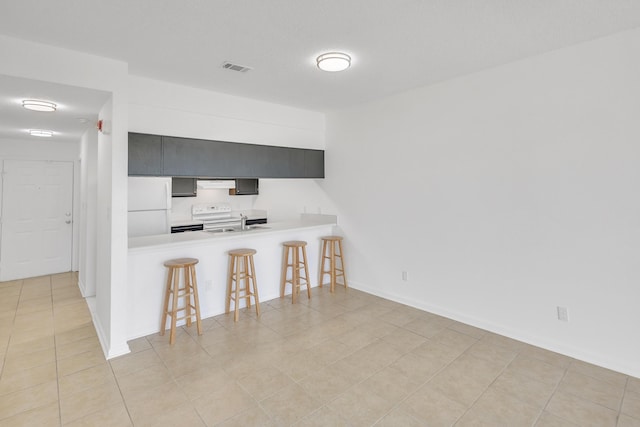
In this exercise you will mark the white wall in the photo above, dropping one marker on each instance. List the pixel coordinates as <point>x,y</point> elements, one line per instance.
<point>181,206</point>
<point>514,191</point>
<point>283,199</point>
<point>26,149</point>
<point>24,59</point>
<point>88,209</point>
<point>286,199</point>
<point>169,109</point>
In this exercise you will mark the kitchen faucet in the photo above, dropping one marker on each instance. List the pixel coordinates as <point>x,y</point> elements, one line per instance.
<point>243,222</point>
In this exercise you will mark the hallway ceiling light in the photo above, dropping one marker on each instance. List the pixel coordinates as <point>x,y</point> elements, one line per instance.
<point>38,105</point>
<point>40,132</point>
<point>333,61</point>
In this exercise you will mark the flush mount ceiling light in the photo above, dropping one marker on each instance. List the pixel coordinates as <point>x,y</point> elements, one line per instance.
<point>41,133</point>
<point>38,105</point>
<point>333,61</point>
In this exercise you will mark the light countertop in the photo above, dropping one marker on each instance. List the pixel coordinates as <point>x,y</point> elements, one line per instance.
<point>205,237</point>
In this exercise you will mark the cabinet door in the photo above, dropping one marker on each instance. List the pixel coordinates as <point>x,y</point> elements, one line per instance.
<point>247,161</point>
<point>296,163</point>
<point>145,154</point>
<point>199,158</point>
<point>270,161</point>
<point>314,163</point>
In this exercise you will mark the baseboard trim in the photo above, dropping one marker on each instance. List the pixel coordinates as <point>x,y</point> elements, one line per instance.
<point>109,352</point>
<point>83,288</point>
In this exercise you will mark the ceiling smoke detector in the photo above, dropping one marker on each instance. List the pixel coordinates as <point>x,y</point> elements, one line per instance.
<point>235,67</point>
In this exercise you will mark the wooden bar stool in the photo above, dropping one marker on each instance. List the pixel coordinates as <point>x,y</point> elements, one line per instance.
<point>332,251</point>
<point>241,280</point>
<point>174,292</point>
<point>297,250</point>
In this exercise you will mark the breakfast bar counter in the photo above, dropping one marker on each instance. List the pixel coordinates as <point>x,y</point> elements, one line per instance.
<point>147,276</point>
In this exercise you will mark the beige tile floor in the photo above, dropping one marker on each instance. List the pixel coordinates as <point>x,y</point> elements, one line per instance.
<point>343,359</point>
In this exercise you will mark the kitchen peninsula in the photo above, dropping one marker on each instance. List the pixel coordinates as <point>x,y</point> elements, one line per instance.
<point>147,275</point>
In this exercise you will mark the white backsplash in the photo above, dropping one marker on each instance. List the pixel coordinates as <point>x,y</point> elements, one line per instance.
<point>181,206</point>
<point>283,199</point>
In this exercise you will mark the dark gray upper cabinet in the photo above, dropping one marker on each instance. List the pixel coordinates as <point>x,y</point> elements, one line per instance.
<point>145,154</point>
<point>296,163</point>
<point>314,163</point>
<point>269,161</point>
<point>200,158</point>
<point>188,157</point>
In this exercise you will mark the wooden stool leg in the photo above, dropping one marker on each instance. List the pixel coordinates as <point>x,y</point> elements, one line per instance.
<point>322,262</point>
<point>295,276</point>
<point>196,300</point>
<point>174,310</point>
<point>167,295</point>
<point>255,286</point>
<point>306,271</point>
<point>247,288</point>
<point>283,276</point>
<point>344,274</point>
<point>332,265</point>
<point>237,292</point>
<point>227,306</point>
<point>187,294</point>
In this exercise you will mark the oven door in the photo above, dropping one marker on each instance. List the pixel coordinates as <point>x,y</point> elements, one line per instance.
<point>189,227</point>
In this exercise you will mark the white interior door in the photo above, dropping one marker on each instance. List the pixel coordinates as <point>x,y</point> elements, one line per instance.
<point>37,218</point>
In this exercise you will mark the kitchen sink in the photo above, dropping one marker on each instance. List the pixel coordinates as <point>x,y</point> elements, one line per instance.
<point>222,230</point>
<point>257,227</point>
<point>232,229</point>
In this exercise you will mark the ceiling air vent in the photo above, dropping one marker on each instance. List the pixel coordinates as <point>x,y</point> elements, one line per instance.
<point>235,67</point>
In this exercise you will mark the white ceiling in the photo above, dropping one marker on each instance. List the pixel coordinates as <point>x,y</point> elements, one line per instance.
<point>77,109</point>
<point>396,45</point>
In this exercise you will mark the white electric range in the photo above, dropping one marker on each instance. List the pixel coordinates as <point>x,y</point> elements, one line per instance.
<point>219,216</point>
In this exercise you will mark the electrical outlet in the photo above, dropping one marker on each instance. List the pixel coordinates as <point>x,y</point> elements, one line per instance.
<point>405,276</point>
<point>563,314</point>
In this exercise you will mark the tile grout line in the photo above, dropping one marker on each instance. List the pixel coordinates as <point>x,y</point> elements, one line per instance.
<point>624,396</point>
<point>555,390</point>
<point>553,393</point>
<point>583,399</point>
<point>55,350</point>
<point>13,322</point>
<point>124,402</point>
<point>4,360</point>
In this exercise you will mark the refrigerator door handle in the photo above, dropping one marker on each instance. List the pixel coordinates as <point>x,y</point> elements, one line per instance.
<point>167,189</point>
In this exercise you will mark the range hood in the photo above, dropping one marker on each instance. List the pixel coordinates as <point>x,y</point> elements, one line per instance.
<point>209,184</point>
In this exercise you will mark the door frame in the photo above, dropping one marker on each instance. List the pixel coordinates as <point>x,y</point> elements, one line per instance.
<point>75,198</point>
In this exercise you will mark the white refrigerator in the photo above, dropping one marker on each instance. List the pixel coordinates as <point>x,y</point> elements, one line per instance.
<point>149,206</point>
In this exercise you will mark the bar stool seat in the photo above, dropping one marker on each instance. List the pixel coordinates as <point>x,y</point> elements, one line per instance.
<point>173,292</point>
<point>295,258</point>
<point>241,281</point>
<point>332,252</point>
